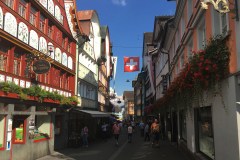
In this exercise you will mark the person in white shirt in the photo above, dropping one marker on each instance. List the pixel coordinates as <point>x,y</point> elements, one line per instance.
<point>130,131</point>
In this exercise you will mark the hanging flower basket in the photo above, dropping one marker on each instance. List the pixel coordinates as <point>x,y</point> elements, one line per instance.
<point>204,71</point>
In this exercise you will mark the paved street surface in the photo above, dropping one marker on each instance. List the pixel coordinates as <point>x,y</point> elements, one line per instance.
<point>137,150</point>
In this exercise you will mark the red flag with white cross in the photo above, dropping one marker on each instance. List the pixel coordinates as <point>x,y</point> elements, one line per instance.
<point>131,64</point>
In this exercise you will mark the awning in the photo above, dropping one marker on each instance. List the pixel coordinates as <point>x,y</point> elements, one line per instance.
<point>94,114</point>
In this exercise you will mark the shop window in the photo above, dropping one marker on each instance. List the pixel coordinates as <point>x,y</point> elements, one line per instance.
<point>2,130</point>
<point>42,128</point>
<point>205,131</point>
<point>19,129</point>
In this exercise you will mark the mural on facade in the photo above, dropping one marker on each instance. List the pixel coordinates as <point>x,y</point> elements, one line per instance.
<point>43,45</point>
<point>58,55</point>
<point>33,41</point>
<point>44,3</point>
<point>70,62</point>
<point>51,6</point>
<point>57,13</point>
<point>10,24</point>
<point>23,32</point>
<point>64,59</point>
<point>1,18</point>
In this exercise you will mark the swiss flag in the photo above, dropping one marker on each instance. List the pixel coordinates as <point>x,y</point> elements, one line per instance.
<point>131,64</point>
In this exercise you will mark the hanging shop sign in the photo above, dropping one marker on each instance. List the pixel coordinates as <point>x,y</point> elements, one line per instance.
<point>41,66</point>
<point>220,5</point>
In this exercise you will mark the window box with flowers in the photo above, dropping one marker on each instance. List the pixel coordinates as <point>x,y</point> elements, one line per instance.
<point>34,93</point>
<point>204,72</point>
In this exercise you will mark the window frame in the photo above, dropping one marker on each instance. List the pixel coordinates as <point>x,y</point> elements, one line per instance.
<point>17,69</point>
<point>42,23</point>
<point>201,32</point>
<point>22,8</point>
<point>33,16</point>
<point>9,3</point>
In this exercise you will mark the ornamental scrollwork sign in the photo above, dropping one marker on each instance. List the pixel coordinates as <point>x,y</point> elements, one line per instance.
<point>220,5</point>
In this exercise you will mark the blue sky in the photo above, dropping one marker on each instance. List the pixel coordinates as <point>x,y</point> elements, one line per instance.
<point>127,20</point>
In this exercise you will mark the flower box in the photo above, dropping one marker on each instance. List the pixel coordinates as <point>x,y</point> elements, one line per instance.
<point>9,95</point>
<point>47,100</point>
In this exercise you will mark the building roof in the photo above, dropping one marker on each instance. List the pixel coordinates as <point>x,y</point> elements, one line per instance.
<point>85,15</point>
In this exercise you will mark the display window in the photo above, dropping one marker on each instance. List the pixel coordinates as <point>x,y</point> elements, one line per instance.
<point>205,132</point>
<point>42,129</point>
<point>19,129</point>
<point>2,131</point>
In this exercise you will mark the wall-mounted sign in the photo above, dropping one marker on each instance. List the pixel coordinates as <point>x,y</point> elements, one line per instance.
<point>41,66</point>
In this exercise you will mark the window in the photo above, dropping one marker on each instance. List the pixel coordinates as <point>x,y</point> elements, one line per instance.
<point>69,47</point>
<point>182,26</point>
<point>42,23</point>
<point>19,129</point>
<point>205,131</point>
<point>86,91</point>
<point>17,63</point>
<point>9,3</point>
<point>220,23</point>
<point>190,9</point>
<point>50,31</point>
<point>32,19</point>
<point>42,128</point>
<point>22,8</point>
<point>182,61</point>
<point>45,78</point>
<point>189,49</point>
<point>2,130</point>
<point>63,41</point>
<point>3,57</point>
<point>202,35</point>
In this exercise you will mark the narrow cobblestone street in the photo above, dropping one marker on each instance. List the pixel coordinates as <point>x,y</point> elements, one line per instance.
<point>137,150</point>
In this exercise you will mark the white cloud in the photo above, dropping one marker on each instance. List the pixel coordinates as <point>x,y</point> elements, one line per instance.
<point>119,2</point>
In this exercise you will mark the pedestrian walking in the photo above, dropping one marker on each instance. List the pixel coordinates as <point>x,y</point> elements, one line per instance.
<point>155,131</point>
<point>147,132</point>
<point>84,134</point>
<point>141,126</point>
<point>116,132</point>
<point>104,131</point>
<point>130,131</point>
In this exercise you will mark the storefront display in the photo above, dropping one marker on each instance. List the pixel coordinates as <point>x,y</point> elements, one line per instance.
<point>42,127</point>
<point>205,132</point>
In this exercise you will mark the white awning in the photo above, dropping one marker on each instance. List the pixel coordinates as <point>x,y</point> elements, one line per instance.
<point>93,113</point>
